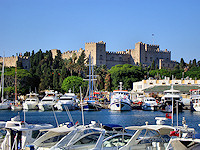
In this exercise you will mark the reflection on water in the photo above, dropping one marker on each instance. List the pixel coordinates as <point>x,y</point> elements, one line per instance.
<point>126,118</point>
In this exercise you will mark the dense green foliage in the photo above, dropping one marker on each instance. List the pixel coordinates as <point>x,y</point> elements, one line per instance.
<point>62,75</point>
<point>23,81</point>
<point>73,83</point>
<point>127,74</point>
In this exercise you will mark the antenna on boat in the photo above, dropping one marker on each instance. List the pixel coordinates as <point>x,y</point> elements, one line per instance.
<point>68,113</point>
<point>172,104</point>
<point>55,116</point>
<point>82,108</point>
<point>24,116</point>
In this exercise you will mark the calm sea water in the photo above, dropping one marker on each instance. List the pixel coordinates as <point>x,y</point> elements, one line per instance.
<point>105,116</point>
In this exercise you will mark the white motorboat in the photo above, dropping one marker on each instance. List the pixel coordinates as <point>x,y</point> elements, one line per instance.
<point>171,97</point>
<point>19,133</point>
<point>120,100</point>
<point>67,101</point>
<point>52,136</point>
<point>149,136</point>
<point>49,100</point>
<point>149,103</point>
<point>93,137</point>
<point>31,102</point>
<point>195,99</point>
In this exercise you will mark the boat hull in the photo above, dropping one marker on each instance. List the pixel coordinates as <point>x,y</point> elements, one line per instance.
<point>120,106</point>
<point>32,106</point>
<point>149,108</point>
<point>45,107</point>
<point>196,106</point>
<point>4,106</point>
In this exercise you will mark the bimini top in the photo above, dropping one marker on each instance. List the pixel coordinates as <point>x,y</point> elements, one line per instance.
<point>162,129</point>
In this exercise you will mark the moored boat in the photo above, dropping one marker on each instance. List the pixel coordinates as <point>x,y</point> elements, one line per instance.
<point>170,99</point>
<point>49,100</point>
<point>31,102</point>
<point>149,103</point>
<point>120,100</point>
<point>195,99</point>
<point>20,133</point>
<point>67,101</point>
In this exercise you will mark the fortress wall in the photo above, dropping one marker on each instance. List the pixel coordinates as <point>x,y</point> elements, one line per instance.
<point>166,64</point>
<point>113,59</point>
<point>69,54</point>
<point>9,61</point>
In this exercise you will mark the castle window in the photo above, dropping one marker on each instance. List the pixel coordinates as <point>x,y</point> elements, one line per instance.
<point>168,65</point>
<point>151,83</point>
<point>163,83</point>
<point>101,57</point>
<point>112,58</point>
<point>189,83</point>
<point>150,58</point>
<point>120,59</point>
<point>145,58</point>
<point>176,83</point>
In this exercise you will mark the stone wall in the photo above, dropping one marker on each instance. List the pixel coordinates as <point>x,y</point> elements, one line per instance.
<point>11,61</point>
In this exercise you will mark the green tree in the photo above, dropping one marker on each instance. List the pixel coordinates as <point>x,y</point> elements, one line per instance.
<point>127,74</point>
<point>182,64</point>
<point>73,82</point>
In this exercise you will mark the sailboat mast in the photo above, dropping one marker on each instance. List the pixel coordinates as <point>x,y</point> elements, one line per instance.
<point>89,75</point>
<point>16,82</point>
<point>92,77</point>
<point>2,82</point>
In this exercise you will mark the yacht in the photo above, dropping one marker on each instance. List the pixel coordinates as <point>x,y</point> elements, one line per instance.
<point>49,100</point>
<point>149,103</point>
<point>91,105</point>
<point>149,136</point>
<point>19,133</point>
<point>53,136</point>
<point>31,102</point>
<point>93,136</point>
<point>67,101</point>
<point>171,97</point>
<point>195,99</point>
<point>120,100</point>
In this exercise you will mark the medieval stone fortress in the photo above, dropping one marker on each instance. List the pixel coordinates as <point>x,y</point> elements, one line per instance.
<point>143,54</point>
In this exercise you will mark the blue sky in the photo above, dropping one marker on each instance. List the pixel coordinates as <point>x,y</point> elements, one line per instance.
<point>27,25</point>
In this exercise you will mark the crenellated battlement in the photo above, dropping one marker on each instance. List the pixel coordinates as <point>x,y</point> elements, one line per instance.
<point>100,42</point>
<point>117,53</point>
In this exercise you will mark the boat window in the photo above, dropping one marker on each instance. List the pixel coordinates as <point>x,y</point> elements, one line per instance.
<point>54,139</point>
<point>47,100</point>
<point>90,139</point>
<point>147,133</point>
<point>67,99</point>
<point>117,141</point>
<point>35,133</point>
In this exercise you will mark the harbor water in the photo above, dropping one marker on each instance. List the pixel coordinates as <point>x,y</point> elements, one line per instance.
<point>105,116</point>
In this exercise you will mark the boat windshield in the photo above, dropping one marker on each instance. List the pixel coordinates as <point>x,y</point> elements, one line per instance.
<point>47,100</point>
<point>66,98</point>
<point>89,139</point>
<point>117,141</point>
<point>149,136</point>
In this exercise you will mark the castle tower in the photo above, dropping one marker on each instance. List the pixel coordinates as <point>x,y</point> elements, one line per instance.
<point>145,54</point>
<point>98,52</point>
